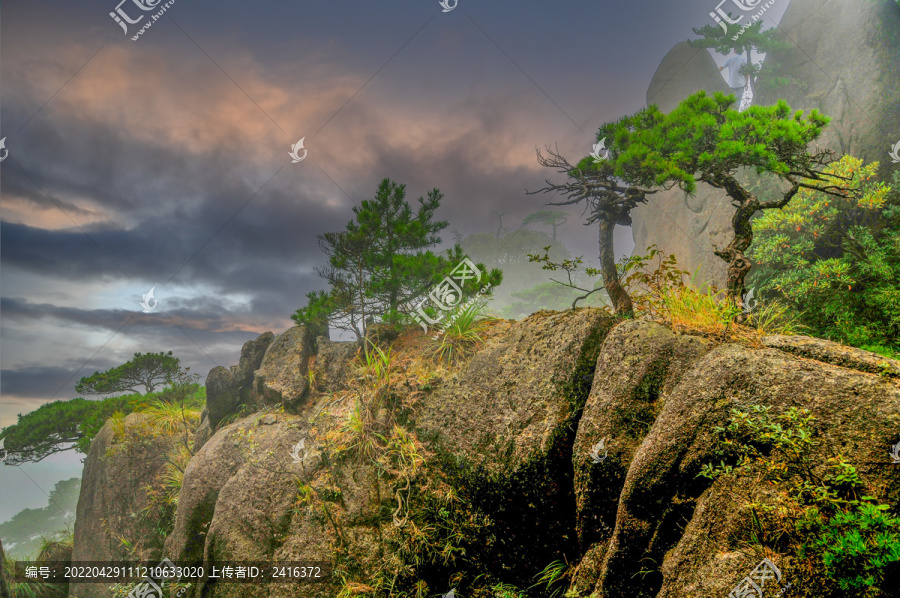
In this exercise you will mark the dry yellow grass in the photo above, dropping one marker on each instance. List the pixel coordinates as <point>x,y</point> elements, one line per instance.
<point>709,313</point>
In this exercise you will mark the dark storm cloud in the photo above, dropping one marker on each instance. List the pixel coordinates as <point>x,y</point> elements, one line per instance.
<point>204,314</point>
<point>147,208</point>
<point>157,213</point>
<point>34,380</point>
<point>145,161</point>
<point>177,203</point>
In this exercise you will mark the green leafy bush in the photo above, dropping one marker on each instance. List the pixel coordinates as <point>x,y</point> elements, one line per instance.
<point>829,517</point>
<point>836,262</point>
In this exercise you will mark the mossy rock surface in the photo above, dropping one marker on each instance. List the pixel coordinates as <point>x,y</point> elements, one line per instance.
<point>507,484</point>
<point>696,532</point>
<point>124,459</point>
<point>517,393</point>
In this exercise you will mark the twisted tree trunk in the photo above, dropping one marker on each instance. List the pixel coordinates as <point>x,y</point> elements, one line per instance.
<point>617,294</point>
<point>747,205</point>
<point>738,264</point>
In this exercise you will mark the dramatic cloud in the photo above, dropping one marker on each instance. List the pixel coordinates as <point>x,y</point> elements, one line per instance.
<point>163,163</point>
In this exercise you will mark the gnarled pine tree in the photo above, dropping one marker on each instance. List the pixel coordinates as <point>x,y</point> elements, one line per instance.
<point>704,139</point>
<point>609,202</point>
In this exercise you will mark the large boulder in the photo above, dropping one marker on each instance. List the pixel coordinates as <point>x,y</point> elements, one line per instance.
<point>333,363</point>
<point>664,512</point>
<point>683,71</point>
<point>509,413</point>
<point>223,395</point>
<point>252,354</point>
<point>568,436</point>
<point>517,394</point>
<point>254,516</point>
<point>239,502</point>
<point>229,388</point>
<point>125,457</point>
<point>638,366</point>
<point>207,472</point>
<point>507,425</point>
<point>283,375</point>
<point>835,354</point>
<point>204,431</point>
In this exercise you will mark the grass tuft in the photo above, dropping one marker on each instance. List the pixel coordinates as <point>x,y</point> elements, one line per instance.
<point>460,338</point>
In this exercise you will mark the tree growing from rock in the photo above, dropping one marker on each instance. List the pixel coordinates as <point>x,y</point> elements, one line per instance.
<point>380,263</point>
<point>597,185</point>
<point>149,370</point>
<point>705,140</point>
<point>60,426</point>
<point>71,425</point>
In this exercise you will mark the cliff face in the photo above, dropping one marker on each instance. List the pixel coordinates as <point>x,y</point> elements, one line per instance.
<point>123,465</point>
<point>565,437</point>
<point>844,56</point>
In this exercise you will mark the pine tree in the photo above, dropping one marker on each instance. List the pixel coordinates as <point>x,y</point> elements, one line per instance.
<point>704,140</point>
<point>397,237</point>
<point>610,201</point>
<point>547,217</point>
<point>380,264</point>
<point>148,370</point>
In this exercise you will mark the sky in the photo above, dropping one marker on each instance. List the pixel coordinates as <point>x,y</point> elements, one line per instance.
<point>163,162</point>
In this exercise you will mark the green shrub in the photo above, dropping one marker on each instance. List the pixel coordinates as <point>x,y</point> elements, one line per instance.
<point>834,522</point>
<point>856,545</point>
<point>836,262</point>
